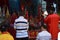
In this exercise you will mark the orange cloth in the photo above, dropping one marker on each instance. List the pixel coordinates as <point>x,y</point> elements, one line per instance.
<point>52,23</point>
<point>6,36</point>
<point>26,15</point>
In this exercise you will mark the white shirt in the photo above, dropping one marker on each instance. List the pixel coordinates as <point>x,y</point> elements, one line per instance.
<point>21,25</point>
<point>59,36</point>
<point>44,35</point>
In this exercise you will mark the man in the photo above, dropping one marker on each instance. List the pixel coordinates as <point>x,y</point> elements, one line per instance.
<point>59,31</point>
<point>4,34</point>
<point>52,22</point>
<point>59,36</point>
<point>44,34</point>
<point>21,25</point>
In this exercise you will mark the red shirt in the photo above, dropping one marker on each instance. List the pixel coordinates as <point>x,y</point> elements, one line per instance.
<point>52,22</point>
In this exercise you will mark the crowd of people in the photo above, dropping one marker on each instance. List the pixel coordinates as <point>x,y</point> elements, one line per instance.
<point>16,26</point>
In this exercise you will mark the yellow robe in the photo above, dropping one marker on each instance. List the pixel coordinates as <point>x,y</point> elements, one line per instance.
<point>6,37</point>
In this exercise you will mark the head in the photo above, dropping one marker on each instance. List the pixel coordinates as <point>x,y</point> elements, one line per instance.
<point>20,13</point>
<point>15,13</point>
<point>52,10</point>
<point>43,27</point>
<point>4,27</point>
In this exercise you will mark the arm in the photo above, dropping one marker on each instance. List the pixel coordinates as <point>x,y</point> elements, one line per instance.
<point>59,36</point>
<point>46,19</point>
<point>50,39</point>
<point>28,25</point>
<point>14,26</point>
<point>37,38</point>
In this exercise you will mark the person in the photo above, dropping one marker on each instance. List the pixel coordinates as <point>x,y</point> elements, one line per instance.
<point>5,35</point>
<point>21,25</point>
<point>59,31</point>
<point>52,21</point>
<point>59,36</point>
<point>44,34</point>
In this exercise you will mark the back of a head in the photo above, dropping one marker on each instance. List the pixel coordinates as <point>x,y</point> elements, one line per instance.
<point>4,27</point>
<point>52,9</point>
<point>20,13</point>
<point>43,27</point>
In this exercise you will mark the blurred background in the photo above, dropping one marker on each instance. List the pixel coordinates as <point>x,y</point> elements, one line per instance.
<point>33,10</point>
<point>30,5</point>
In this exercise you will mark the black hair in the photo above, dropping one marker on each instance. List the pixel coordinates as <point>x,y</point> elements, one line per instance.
<point>4,27</point>
<point>21,13</point>
<point>44,26</point>
<point>52,8</point>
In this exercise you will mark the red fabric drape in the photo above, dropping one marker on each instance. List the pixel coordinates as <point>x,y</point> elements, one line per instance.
<point>26,15</point>
<point>12,19</point>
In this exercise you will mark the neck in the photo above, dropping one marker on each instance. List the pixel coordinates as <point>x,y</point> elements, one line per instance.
<point>4,32</point>
<point>44,30</point>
